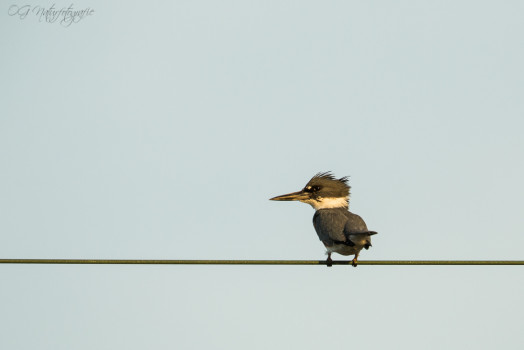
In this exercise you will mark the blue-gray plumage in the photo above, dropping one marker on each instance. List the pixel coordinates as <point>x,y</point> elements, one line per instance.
<point>340,230</point>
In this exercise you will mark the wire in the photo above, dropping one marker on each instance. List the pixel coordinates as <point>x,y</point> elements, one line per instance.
<point>256,262</point>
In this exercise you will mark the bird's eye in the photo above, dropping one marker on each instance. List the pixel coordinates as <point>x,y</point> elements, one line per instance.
<point>311,189</point>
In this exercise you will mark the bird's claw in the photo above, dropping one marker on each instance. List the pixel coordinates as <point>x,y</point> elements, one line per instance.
<point>354,262</point>
<point>329,262</point>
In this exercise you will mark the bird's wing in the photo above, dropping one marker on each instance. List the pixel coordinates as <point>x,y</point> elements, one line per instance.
<point>355,224</point>
<point>329,225</point>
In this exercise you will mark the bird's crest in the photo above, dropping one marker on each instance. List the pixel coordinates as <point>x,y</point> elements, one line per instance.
<point>328,175</point>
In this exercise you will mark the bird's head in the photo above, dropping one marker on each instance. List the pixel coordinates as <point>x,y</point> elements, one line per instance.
<point>321,192</point>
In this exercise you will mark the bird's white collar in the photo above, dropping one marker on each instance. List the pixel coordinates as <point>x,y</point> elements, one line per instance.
<point>327,203</point>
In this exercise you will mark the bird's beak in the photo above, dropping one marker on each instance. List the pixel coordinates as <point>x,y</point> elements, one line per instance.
<point>295,196</point>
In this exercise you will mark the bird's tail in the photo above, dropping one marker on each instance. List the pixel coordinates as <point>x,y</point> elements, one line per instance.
<point>367,233</point>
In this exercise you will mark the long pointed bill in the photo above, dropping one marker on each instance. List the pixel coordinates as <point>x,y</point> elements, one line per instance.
<point>295,196</point>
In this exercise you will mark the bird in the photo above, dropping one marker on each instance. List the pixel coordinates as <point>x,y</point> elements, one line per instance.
<point>340,230</point>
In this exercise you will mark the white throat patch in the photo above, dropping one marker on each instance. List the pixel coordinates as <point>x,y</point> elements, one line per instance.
<point>327,203</point>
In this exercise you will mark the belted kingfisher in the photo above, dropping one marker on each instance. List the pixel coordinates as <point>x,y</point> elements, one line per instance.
<point>340,230</point>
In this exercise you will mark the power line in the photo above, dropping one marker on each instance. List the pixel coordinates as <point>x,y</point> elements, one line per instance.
<point>255,262</point>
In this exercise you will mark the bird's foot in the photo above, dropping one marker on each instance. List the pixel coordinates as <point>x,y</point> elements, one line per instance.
<point>329,262</point>
<point>354,262</point>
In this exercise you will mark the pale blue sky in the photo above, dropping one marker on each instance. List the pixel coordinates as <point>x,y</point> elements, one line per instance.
<point>161,129</point>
